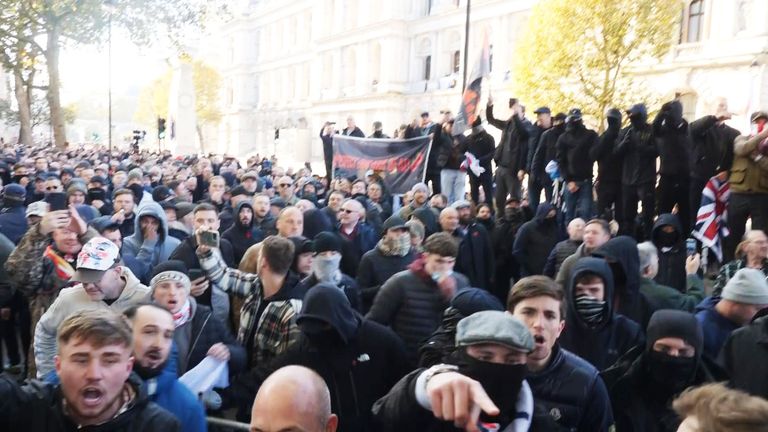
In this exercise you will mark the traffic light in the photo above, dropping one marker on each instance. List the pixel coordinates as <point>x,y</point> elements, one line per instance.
<point>160,128</point>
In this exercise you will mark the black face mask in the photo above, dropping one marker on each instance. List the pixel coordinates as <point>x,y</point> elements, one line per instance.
<point>550,221</point>
<point>670,375</point>
<point>327,340</point>
<point>637,120</point>
<point>502,382</point>
<point>18,178</point>
<point>666,239</point>
<point>147,372</point>
<point>512,213</point>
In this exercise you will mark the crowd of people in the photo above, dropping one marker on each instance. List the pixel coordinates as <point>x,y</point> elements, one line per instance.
<point>541,300</point>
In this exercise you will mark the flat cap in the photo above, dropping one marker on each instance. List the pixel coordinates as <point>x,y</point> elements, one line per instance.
<point>494,327</point>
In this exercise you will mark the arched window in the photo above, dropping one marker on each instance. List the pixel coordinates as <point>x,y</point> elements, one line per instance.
<point>693,27</point>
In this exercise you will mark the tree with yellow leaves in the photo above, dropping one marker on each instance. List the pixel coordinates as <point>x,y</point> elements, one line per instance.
<point>578,53</point>
<point>153,100</point>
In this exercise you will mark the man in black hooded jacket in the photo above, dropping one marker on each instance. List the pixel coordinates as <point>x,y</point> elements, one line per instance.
<point>535,240</point>
<point>242,234</point>
<point>644,383</point>
<point>637,147</point>
<point>594,330</point>
<point>608,169</point>
<point>624,260</point>
<point>671,132</point>
<point>668,237</point>
<point>546,151</point>
<point>360,360</point>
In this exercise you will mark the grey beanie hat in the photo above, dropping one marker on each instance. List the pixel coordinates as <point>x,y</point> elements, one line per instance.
<point>747,286</point>
<point>494,327</point>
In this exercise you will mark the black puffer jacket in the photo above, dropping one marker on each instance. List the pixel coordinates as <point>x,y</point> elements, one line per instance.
<point>37,407</point>
<point>375,269</point>
<point>572,392</point>
<point>614,336</point>
<point>205,332</point>
<point>546,151</point>
<point>624,259</point>
<point>411,303</point>
<point>573,149</point>
<point>671,132</point>
<point>637,147</point>
<point>711,147</point>
<point>671,256</point>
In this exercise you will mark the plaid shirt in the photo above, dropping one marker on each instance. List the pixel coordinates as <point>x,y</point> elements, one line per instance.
<point>275,330</point>
<point>728,270</point>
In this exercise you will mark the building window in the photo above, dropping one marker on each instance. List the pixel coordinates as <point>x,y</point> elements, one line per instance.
<point>427,67</point>
<point>693,28</point>
<point>490,58</point>
<point>456,61</point>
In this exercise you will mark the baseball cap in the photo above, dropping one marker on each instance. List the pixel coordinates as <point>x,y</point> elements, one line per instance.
<point>394,222</point>
<point>15,191</point>
<point>542,110</point>
<point>37,208</point>
<point>95,258</point>
<point>184,208</point>
<point>495,327</point>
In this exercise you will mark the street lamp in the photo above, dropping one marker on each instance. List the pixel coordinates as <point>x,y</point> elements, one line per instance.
<point>109,6</point>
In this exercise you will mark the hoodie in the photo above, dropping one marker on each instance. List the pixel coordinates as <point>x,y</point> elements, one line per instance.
<point>359,359</point>
<point>613,336</point>
<point>672,252</point>
<point>145,254</point>
<point>535,241</point>
<point>624,260</point>
<point>242,236</point>
<point>73,300</point>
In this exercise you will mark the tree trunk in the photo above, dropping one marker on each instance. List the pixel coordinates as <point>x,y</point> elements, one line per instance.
<point>200,137</point>
<point>25,112</point>
<point>54,84</point>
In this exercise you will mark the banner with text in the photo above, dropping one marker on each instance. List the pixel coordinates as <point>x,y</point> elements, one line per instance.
<point>400,163</point>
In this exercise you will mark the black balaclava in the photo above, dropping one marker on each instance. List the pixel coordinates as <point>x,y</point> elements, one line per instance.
<point>671,375</point>
<point>667,239</point>
<point>502,382</point>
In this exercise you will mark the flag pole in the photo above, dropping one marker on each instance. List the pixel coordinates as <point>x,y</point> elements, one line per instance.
<point>466,47</point>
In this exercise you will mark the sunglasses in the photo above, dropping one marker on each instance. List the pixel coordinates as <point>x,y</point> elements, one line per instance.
<point>347,211</point>
<point>285,185</point>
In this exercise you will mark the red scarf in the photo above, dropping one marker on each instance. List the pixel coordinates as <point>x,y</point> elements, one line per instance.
<point>63,269</point>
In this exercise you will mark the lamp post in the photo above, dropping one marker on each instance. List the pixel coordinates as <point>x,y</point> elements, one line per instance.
<point>466,46</point>
<point>109,6</point>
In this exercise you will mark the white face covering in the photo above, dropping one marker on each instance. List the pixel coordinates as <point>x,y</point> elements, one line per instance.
<point>326,268</point>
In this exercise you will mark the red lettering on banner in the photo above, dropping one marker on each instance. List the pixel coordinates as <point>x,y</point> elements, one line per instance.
<point>417,162</point>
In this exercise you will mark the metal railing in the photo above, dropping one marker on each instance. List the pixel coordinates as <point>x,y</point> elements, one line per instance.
<point>220,424</point>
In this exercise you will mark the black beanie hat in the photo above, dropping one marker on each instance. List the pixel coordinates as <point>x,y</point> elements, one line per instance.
<point>327,241</point>
<point>674,323</point>
<point>170,265</point>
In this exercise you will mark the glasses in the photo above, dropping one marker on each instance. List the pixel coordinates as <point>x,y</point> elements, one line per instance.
<point>285,185</point>
<point>348,211</point>
<point>53,188</point>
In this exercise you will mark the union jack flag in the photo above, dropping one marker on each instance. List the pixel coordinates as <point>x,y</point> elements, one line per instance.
<point>711,220</point>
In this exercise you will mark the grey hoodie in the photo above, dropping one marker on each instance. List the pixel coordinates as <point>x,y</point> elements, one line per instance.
<point>142,255</point>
